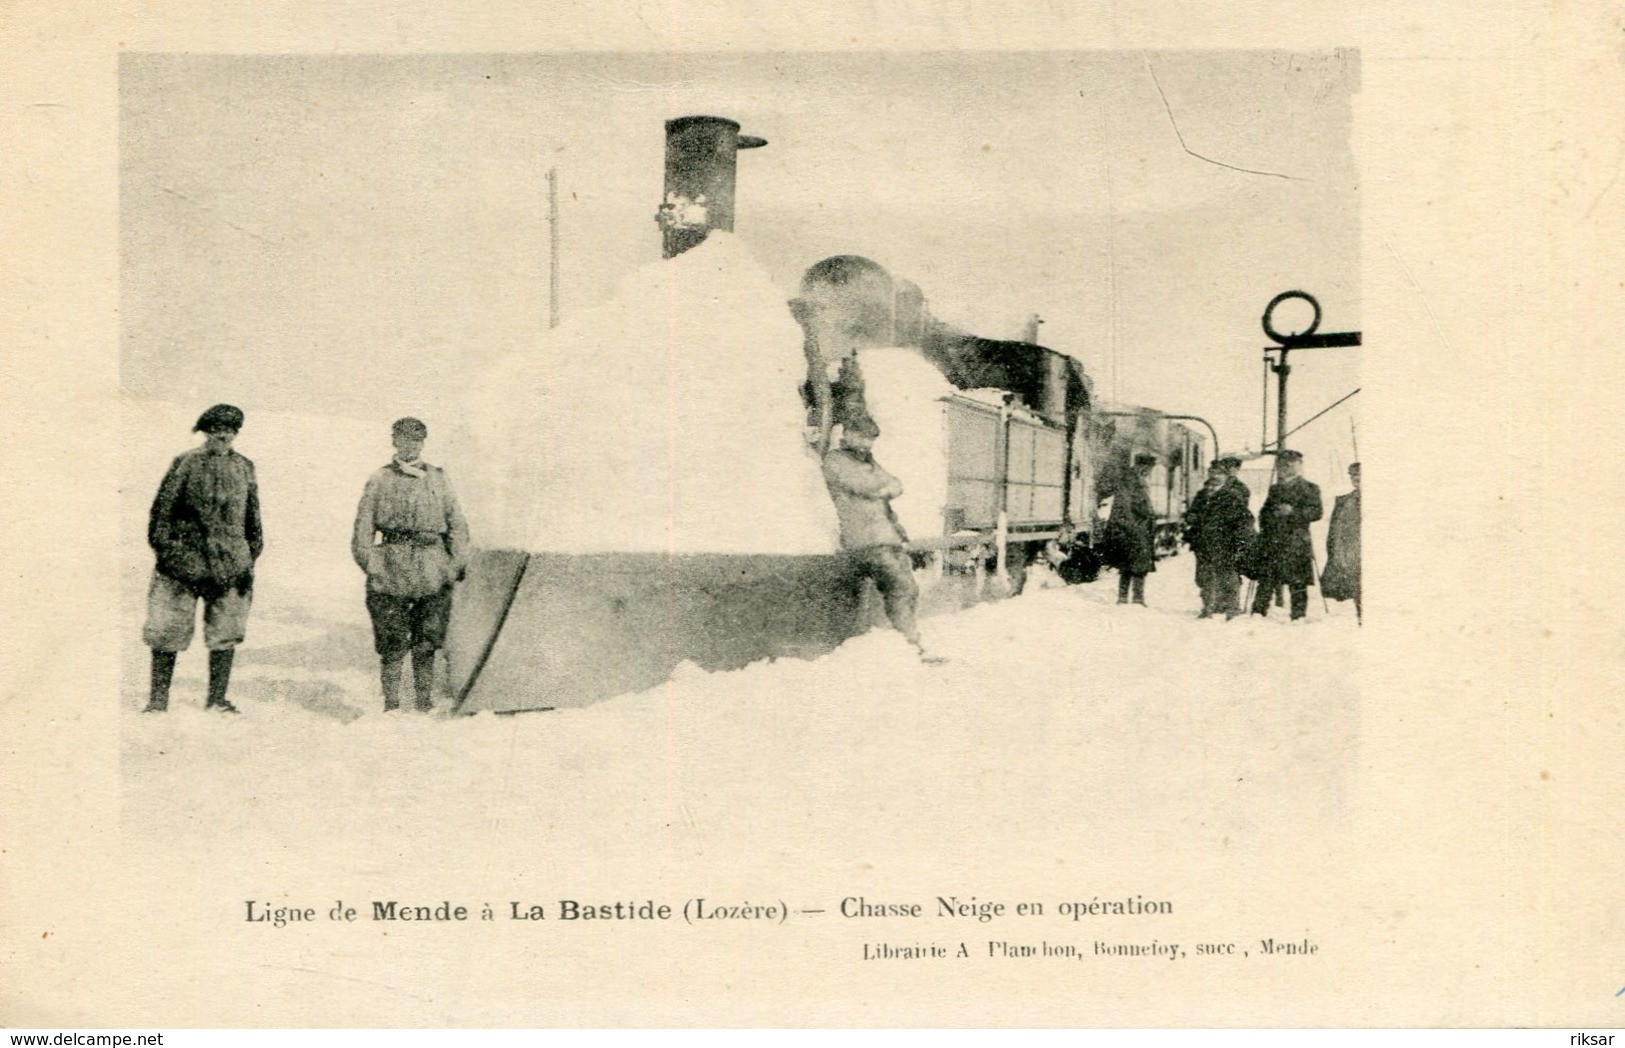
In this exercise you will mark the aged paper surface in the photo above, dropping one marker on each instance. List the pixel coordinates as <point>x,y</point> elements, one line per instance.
<point>1441,832</point>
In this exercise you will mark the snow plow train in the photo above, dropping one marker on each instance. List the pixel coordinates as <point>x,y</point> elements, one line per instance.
<point>669,556</point>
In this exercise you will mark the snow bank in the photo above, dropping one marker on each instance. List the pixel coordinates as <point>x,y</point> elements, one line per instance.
<point>904,394</point>
<point>1060,717</point>
<point>666,419</point>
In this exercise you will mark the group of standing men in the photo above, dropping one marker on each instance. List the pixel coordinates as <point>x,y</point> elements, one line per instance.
<point>1218,527</point>
<point>1283,555</point>
<point>206,532</point>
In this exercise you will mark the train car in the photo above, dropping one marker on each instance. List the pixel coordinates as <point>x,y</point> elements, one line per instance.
<point>1010,485</point>
<point>1021,462</point>
<point>1032,456</point>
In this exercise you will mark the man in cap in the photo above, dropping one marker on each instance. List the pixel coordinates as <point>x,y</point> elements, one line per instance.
<point>411,540</point>
<point>206,532</point>
<point>1286,556</point>
<point>1231,464</point>
<point>1341,580</point>
<point>1131,531</point>
<point>871,536</point>
<point>1218,526</point>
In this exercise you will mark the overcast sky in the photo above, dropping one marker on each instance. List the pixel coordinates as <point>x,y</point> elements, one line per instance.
<point>337,234</point>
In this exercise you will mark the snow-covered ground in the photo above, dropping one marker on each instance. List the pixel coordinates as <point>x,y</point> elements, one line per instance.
<point>1059,713</point>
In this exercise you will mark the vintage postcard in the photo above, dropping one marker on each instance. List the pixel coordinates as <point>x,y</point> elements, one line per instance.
<point>698,518</point>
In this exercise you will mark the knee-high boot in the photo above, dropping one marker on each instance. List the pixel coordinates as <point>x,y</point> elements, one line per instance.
<point>423,677</point>
<point>219,680</point>
<point>389,674</point>
<point>163,671</point>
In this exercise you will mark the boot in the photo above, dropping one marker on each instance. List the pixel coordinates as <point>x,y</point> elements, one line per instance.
<point>163,671</point>
<point>423,679</point>
<point>1122,587</point>
<point>1139,590</point>
<point>389,672</point>
<point>219,678</point>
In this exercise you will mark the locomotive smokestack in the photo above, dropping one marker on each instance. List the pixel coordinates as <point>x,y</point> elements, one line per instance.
<point>701,157</point>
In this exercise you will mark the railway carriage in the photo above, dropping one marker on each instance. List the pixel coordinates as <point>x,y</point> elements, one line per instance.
<point>1032,456</point>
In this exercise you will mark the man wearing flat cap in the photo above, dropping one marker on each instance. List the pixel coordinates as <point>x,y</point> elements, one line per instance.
<point>1218,527</point>
<point>1231,464</point>
<point>1285,555</point>
<point>1131,531</point>
<point>411,540</point>
<point>206,532</point>
<point>1238,495</point>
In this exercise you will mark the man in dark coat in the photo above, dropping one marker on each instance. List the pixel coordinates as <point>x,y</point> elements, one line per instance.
<point>1131,531</point>
<point>1231,465</point>
<point>1341,580</point>
<point>872,539</point>
<point>206,531</point>
<point>1285,554</point>
<point>1218,527</point>
<point>411,539</point>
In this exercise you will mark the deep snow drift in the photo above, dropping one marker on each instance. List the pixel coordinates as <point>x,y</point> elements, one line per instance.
<point>666,419</point>
<point>904,391</point>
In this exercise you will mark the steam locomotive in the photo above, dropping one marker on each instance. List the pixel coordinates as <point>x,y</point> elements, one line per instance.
<point>1031,455</point>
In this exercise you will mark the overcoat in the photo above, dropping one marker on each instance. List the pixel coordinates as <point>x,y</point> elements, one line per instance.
<point>204,525</point>
<point>1219,526</point>
<point>410,534</point>
<point>1341,580</point>
<point>861,490</point>
<point>1131,529</point>
<point>1285,555</point>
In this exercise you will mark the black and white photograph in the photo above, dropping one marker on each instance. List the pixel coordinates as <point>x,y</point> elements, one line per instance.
<point>943,358</point>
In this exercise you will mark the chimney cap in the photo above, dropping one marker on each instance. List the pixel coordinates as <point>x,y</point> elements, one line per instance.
<point>684,121</point>
<point>744,141</point>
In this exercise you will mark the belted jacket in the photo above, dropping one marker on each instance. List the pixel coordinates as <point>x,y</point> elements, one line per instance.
<point>410,535</point>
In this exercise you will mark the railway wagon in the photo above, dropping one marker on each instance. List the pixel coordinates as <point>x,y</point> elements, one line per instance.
<point>1010,485</point>
<point>1032,456</point>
